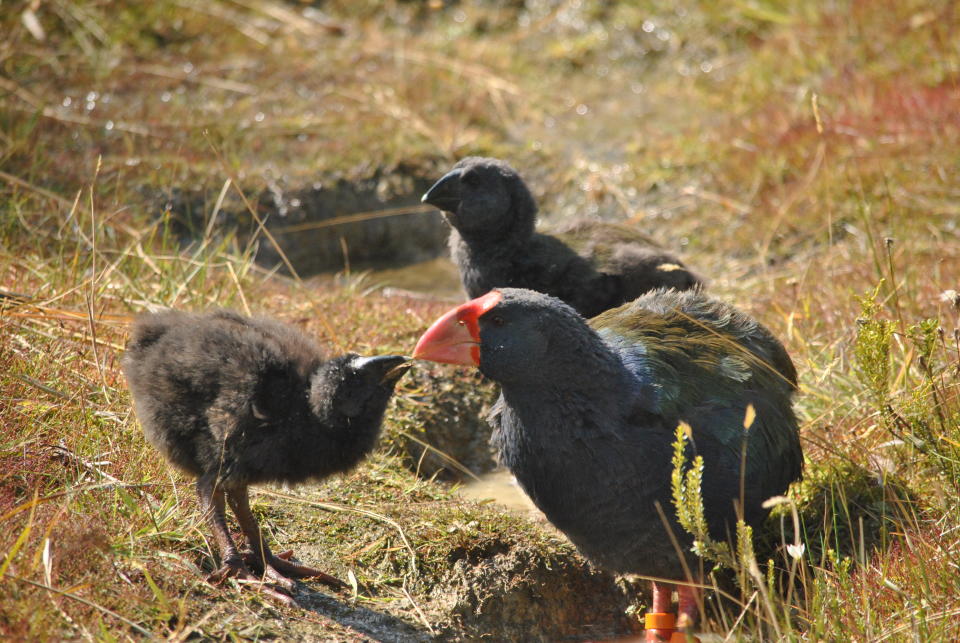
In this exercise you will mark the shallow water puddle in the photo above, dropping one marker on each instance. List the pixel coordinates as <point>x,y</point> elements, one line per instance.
<point>500,487</point>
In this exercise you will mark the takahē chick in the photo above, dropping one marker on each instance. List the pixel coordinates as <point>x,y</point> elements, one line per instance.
<point>592,265</point>
<point>236,401</point>
<point>588,414</point>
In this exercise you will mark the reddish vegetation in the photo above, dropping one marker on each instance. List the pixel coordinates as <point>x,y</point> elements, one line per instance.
<point>860,107</point>
<point>897,107</point>
<point>888,576</point>
<point>23,475</point>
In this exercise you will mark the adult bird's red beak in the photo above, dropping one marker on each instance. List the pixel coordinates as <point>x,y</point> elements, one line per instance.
<point>455,337</point>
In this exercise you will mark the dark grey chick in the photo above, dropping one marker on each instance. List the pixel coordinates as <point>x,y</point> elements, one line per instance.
<point>592,265</point>
<point>236,401</point>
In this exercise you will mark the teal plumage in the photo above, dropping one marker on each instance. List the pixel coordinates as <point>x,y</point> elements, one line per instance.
<point>703,362</point>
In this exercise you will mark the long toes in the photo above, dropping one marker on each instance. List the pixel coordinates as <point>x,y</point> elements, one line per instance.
<point>277,578</point>
<point>296,570</point>
<point>238,570</point>
<point>268,590</point>
<point>231,568</point>
<point>270,570</point>
<point>286,599</point>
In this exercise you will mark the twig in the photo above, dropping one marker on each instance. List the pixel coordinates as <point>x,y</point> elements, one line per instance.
<point>152,501</point>
<point>290,18</point>
<point>261,227</point>
<point>743,613</point>
<point>66,453</point>
<point>216,83</point>
<point>423,617</point>
<point>216,208</point>
<point>229,17</point>
<point>187,629</point>
<point>71,491</point>
<point>40,385</point>
<point>236,280</point>
<point>92,295</point>
<point>357,216</point>
<point>18,298</point>
<point>928,618</point>
<point>63,333</point>
<point>15,180</point>
<point>261,223</point>
<point>391,291</point>
<point>719,199</point>
<point>466,70</point>
<point>462,468</point>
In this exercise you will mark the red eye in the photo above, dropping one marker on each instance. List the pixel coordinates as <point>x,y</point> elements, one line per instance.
<point>496,320</point>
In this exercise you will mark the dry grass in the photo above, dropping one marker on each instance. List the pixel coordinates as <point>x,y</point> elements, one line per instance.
<point>779,146</point>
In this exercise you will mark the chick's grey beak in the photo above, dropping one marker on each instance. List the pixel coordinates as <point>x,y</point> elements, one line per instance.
<point>387,368</point>
<point>445,193</point>
<point>394,374</point>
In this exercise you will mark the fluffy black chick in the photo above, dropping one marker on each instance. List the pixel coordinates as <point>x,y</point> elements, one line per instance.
<point>592,266</point>
<point>588,413</point>
<point>235,401</point>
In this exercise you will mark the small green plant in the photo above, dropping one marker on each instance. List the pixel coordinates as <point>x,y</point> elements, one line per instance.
<point>872,347</point>
<point>922,407</point>
<point>685,484</point>
<point>740,557</point>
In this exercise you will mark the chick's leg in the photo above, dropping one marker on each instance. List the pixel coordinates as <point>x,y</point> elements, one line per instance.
<point>275,567</point>
<point>232,565</point>
<point>212,505</point>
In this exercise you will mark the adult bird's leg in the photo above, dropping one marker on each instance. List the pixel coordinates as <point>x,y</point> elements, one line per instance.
<point>662,599</point>
<point>277,568</point>
<point>232,565</point>
<point>688,610</point>
<point>660,621</point>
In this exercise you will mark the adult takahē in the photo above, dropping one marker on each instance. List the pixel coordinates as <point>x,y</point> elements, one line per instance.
<point>588,414</point>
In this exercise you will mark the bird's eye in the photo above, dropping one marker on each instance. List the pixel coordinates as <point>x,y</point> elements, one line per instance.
<point>497,320</point>
<point>468,178</point>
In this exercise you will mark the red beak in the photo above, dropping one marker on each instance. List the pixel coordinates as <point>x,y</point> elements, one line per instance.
<point>455,337</point>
